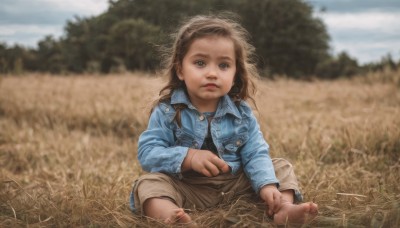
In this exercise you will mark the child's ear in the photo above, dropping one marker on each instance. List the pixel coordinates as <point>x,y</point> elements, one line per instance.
<point>179,73</point>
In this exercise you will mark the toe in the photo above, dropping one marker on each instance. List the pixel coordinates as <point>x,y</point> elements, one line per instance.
<point>313,208</point>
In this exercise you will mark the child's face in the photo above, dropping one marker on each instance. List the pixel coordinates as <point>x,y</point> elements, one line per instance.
<point>208,70</point>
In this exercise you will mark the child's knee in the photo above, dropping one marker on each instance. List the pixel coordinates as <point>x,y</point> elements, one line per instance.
<point>146,183</point>
<point>153,185</point>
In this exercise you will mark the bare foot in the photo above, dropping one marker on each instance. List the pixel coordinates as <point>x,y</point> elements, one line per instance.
<point>178,216</point>
<point>296,213</point>
<point>166,211</point>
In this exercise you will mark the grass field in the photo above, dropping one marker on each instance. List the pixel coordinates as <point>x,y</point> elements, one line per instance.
<point>68,149</point>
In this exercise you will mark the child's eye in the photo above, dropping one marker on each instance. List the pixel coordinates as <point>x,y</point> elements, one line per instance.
<point>200,63</point>
<point>224,65</point>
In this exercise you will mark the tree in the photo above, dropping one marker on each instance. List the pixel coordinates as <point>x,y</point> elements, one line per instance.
<point>15,59</point>
<point>341,66</point>
<point>76,43</point>
<point>3,59</point>
<point>49,56</point>
<point>288,39</point>
<point>132,41</point>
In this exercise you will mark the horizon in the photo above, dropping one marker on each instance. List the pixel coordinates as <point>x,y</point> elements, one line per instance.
<point>366,30</point>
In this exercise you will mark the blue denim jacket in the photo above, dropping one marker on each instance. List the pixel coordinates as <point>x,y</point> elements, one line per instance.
<point>234,129</point>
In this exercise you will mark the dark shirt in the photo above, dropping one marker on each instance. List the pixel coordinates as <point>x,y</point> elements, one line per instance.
<point>208,143</point>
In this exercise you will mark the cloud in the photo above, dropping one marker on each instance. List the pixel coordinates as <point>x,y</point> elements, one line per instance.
<point>386,22</point>
<point>88,7</point>
<point>366,52</point>
<point>355,5</point>
<point>28,35</point>
<point>47,11</point>
<point>366,35</point>
<point>26,22</point>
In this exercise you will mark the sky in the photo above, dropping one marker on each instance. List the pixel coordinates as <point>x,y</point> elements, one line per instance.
<point>366,29</point>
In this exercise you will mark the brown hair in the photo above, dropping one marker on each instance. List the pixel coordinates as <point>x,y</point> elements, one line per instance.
<point>202,26</point>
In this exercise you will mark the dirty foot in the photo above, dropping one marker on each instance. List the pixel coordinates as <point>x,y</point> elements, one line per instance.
<point>296,213</point>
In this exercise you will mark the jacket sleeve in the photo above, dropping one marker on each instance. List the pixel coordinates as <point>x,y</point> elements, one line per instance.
<point>156,150</point>
<point>255,157</point>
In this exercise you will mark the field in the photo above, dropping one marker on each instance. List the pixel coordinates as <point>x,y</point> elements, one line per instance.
<point>68,147</point>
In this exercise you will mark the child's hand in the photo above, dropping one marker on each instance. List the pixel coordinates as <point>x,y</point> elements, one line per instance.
<point>271,195</point>
<point>204,162</point>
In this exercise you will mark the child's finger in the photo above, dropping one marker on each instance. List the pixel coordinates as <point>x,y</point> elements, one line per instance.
<point>221,164</point>
<point>277,201</point>
<point>225,168</point>
<point>273,201</point>
<point>270,202</point>
<point>205,172</point>
<point>212,168</point>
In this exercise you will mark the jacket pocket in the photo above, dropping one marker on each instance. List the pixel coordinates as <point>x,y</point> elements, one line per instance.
<point>233,144</point>
<point>185,139</point>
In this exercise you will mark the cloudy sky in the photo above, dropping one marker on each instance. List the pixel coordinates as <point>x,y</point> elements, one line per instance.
<point>366,29</point>
<point>26,22</point>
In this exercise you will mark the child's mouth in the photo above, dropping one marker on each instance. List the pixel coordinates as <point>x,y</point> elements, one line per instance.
<point>211,85</point>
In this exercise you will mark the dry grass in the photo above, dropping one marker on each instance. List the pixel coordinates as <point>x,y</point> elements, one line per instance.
<point>68,150</point>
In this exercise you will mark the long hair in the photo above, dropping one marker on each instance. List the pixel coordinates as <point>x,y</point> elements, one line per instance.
<point>203,26</point>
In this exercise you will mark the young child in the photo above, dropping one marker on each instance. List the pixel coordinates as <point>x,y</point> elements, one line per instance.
<point>203,145</point>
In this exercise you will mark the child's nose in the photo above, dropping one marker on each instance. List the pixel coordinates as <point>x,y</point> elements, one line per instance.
<point>212,72</point>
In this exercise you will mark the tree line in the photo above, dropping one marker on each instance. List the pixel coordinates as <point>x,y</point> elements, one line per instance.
<point>289,40</point>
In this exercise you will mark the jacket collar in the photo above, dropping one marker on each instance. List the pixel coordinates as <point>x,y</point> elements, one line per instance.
<point>225,105</point>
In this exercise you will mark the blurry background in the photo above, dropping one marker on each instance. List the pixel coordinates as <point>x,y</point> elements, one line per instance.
<point>326,39</point>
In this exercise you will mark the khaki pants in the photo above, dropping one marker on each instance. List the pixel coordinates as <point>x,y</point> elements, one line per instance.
<point>196,191</point>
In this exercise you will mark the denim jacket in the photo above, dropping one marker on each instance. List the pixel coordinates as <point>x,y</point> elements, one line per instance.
<point>235,133</point>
